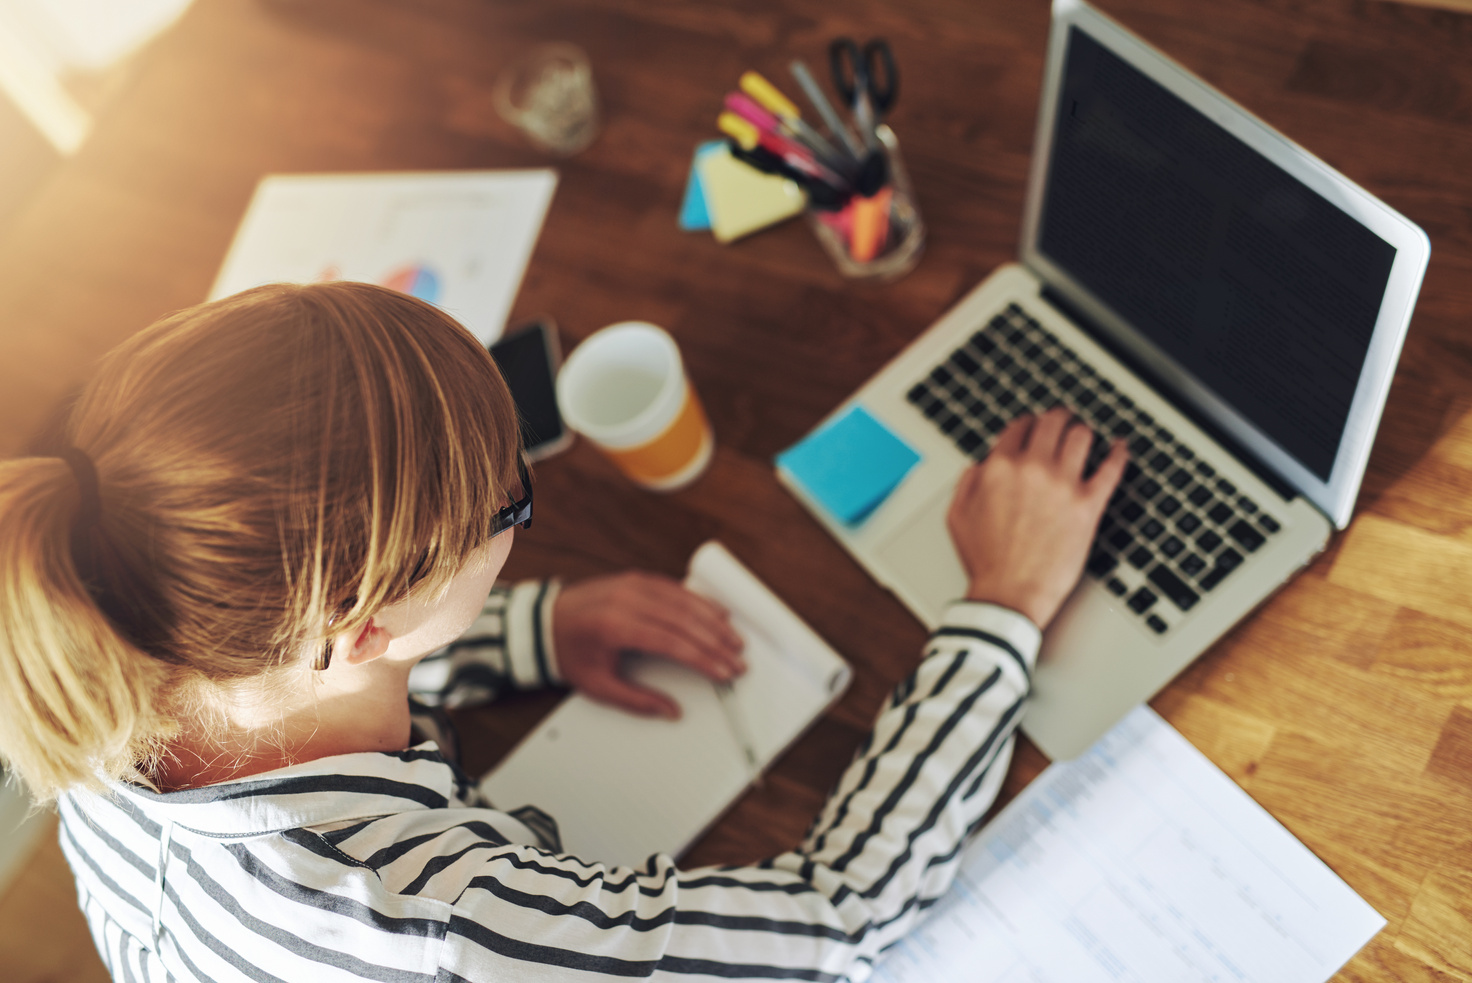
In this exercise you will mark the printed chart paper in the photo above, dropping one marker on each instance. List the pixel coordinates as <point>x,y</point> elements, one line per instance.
<point>1139,861</point>
<point>458,239</point>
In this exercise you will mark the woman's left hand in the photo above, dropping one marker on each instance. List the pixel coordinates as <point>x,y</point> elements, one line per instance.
<point>596,622</point>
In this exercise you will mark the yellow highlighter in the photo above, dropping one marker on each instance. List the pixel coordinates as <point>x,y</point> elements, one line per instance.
<point>743,131</point>
<point>768,96</point>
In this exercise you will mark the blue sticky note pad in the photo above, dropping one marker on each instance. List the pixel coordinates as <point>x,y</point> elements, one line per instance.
<point>851,465</point>
<point>694,214</point>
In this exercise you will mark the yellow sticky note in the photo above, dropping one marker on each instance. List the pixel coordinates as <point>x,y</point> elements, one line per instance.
<point>741,199</point>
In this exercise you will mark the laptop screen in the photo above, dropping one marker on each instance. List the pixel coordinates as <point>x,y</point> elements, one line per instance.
<point>1256,285</point>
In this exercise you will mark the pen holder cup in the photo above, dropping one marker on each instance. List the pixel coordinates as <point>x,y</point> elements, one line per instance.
<point>879,237</point>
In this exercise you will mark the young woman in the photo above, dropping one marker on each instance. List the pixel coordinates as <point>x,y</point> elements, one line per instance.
<point>281,513</point>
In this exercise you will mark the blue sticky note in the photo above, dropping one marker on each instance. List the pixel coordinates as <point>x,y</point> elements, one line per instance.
<point>694,214</point>
<point>851,465</point>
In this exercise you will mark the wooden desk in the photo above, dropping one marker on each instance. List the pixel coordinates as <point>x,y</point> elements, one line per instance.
<point>1344,706</point>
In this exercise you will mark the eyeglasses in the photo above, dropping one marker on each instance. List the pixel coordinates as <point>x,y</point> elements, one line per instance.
<point>518,513</point>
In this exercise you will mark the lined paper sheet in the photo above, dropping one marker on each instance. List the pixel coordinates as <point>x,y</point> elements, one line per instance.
<point>1140,861</point>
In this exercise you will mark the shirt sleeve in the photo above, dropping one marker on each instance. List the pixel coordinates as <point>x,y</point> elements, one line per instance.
<point>884,848</point>
<point>508,646</point>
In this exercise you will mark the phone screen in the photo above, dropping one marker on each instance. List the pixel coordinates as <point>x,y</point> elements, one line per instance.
<point>525,358</point>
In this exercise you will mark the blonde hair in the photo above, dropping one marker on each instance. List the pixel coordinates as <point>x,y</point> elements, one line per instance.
<point>265,462</point>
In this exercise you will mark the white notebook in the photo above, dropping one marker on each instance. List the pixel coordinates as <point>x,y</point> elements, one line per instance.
<point>623,787</point>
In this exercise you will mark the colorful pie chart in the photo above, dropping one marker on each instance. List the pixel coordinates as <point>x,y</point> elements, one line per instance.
<point>416,281</point>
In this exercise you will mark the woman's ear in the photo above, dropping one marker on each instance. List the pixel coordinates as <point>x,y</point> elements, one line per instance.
<point>364,645</point>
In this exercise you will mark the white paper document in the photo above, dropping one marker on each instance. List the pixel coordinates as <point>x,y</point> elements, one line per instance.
<point>1140,861</point>
<point>458,239</point>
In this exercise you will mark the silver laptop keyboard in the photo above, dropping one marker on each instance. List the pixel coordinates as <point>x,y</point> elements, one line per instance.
<point>1173,518</point>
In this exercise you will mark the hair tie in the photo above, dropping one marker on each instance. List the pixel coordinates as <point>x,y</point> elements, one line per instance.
<point>84,471</point>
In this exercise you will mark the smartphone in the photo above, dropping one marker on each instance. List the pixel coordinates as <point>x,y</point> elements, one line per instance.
<point>528,357</point>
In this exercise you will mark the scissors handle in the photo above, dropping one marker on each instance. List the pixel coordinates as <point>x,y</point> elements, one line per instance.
<point>879,63</point>
<point>858,71</point>
<point>847,65</point>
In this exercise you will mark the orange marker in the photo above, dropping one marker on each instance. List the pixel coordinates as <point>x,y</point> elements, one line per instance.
<point>871,225</point>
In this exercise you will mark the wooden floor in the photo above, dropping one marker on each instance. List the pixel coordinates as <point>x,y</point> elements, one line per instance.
<point>1344,706</point>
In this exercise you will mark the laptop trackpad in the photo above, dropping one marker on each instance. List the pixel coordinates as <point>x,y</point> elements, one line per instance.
<point>919,563</point>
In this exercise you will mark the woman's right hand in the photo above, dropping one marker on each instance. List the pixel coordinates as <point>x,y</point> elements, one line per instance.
<point>1022,519</point>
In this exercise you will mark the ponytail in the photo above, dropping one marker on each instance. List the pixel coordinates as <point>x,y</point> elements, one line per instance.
<point>265,461</point>
<point>77,700</point>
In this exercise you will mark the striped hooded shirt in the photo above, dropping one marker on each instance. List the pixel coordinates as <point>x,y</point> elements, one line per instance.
<point>392,867</point>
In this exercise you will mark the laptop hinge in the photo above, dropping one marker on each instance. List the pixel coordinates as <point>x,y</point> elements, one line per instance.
<point>1215,432</point>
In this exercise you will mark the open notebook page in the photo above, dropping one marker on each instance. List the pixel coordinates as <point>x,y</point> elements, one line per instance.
<point>623,787</point>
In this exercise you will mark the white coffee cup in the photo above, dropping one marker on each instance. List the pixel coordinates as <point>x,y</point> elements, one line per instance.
<point>625,389</point>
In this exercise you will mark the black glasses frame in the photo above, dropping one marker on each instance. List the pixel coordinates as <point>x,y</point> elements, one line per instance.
<point>519,512</point>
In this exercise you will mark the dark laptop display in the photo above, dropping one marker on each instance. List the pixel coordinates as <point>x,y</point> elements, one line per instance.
<point>1257,286</point>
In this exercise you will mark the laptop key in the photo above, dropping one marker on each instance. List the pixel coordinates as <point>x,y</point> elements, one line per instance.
<point>1174,588</point>
<point>1247,505</point>
<point>950,424</point>
<point>1141,600</point>
<point>1140,558</point>
<point>1160,462</point>
<point>983,343</point>
<point>1116,587</point>
<point>1148,489</point>
<point>940,375</point>
<point>1188,523</point>
<point>1102,563</point>
<point>1199,495</point>
<point>1157,624</point>
<point>1152,529</point>
<point>1192,565</point>
<point>1208,541</point>
<point>1226,487</point>
<point>1140,446</point>
<point>917,393</point>
<point>1168,506</point>
<point>1219,513</point>
<point>1229,560</point>
<point>1213,577</point>
<point>1172,546</point>
<point>1246,535</point>
<point>1131,511</point>
<point>1205,470</point>
<point>965,362</point>
<point>1180,478</point>
<point>969,441</point>
<point>1269,523</point>
<point>1121,539</point>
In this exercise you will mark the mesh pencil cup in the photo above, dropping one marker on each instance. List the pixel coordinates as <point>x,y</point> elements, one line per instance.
<point>879,237</point>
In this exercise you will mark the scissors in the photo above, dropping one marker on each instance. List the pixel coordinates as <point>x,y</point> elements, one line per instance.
<point>857,74</point>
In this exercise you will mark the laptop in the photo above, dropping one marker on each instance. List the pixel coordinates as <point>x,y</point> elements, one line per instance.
<point>1189,281</point>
